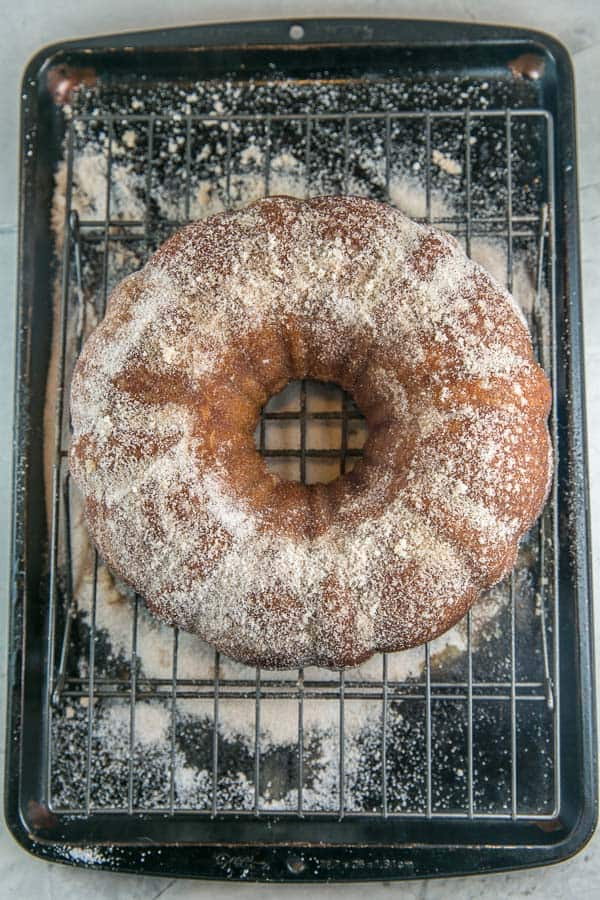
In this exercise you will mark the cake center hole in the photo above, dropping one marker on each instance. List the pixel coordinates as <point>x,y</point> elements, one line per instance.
<point>312,431</point>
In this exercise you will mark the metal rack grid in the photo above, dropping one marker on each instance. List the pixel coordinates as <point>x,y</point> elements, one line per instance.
<point>346,413</point>
<point>339,687</point>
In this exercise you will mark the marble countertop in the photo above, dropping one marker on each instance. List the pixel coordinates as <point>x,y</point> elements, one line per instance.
<point>29,25</point>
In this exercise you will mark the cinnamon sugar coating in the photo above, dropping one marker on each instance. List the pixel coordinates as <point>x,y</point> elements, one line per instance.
<point>168,389</point>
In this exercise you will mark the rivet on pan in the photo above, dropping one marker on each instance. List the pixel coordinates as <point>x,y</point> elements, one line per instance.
<point>63,80</point>
<point>528,65</point>
<point>295,864</point>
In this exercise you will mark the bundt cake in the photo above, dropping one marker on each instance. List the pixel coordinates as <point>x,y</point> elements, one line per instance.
<point>168,389</point>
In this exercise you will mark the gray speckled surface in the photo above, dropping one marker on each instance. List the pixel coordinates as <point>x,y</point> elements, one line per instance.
<point>29,24</point>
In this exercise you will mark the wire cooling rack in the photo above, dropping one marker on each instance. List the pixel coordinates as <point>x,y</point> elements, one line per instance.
<point>523,696</point>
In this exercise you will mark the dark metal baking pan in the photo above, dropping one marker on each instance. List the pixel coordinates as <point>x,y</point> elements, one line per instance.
<point>431,73</point>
